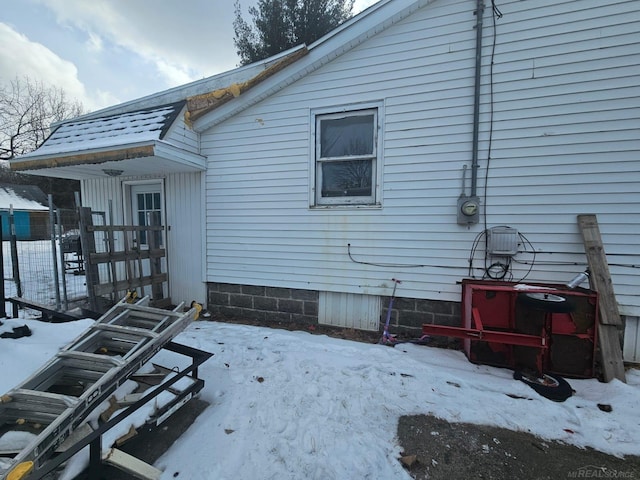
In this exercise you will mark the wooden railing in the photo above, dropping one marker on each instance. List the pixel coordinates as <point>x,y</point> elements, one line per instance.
<point>130,265</point>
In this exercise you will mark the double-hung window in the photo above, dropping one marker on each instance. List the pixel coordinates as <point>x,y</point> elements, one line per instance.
<point>346,158</point>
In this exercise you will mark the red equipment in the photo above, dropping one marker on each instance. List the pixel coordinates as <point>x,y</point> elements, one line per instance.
<point>547,328</point>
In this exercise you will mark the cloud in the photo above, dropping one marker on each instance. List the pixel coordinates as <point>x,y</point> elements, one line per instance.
<point>360,5</point>
<point>183,41</point>
<point>24,58</point>
<point>95,43</point>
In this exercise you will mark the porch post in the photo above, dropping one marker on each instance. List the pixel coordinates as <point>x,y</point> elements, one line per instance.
<point>3,307</point>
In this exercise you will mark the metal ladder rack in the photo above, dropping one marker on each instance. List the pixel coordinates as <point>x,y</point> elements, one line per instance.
<point>55,400</point>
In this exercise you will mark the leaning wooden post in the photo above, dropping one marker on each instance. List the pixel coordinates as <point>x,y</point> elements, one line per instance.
<point>88,245</point>
<point>600,279</point>
<point>54,251</point>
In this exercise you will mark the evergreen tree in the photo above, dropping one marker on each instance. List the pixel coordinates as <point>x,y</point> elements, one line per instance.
<point>278,25</point>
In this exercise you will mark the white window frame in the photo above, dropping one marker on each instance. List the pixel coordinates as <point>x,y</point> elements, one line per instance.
<point>315,197</point>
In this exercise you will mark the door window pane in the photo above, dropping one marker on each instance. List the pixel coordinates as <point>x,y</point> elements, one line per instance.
<point>149,212</point>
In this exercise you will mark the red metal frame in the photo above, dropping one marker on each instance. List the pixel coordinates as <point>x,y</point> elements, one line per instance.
<point>478,333</point>
<point>493,321</point>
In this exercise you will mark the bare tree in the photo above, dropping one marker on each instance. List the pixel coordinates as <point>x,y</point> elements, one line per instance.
<point>27,110</point>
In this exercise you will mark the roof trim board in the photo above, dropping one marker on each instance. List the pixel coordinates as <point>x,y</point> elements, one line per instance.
<point>87,157</point>
<point>180,156</point>
<point>157,148</point>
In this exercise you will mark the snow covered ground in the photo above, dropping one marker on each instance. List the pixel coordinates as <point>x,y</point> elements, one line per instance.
<point>37,274</point>
<point>290,405</point>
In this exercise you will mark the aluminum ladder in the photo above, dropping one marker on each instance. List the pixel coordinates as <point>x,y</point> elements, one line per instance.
<point>55,400</point>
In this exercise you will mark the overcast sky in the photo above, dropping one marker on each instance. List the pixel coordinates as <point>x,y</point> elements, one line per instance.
<point>104,52</point>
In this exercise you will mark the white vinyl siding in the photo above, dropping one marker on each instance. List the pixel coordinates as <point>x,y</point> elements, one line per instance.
<point>184,237</point>
<point>183,200</point>
<point>349,310</point>
<point>182,136</point>
<point>631,350</point>
<point>565,142</point>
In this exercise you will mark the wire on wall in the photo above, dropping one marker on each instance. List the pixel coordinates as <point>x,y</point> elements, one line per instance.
<point>395,265</point>
<point>496,15</point>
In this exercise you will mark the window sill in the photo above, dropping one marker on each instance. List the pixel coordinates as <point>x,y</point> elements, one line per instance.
<point>376,206</point>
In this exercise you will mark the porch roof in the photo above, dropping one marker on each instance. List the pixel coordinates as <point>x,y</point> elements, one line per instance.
<point>130,143</point>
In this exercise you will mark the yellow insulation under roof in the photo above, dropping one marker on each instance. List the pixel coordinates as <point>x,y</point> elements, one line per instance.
<point>199,105</point>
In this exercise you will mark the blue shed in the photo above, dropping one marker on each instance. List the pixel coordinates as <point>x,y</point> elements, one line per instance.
<point>30,211</point>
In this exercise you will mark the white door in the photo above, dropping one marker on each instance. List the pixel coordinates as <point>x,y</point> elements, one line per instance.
<point>147,208</point>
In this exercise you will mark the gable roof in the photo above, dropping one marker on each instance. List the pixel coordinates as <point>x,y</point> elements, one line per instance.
<point>129,138</point>
<point>126,128</point>
<point>287,66</point>
<point>131,143</point>
<point>208,102</point>
<point>22,197</point>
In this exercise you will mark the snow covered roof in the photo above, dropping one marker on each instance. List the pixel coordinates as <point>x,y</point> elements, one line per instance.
<point>127,143</point>
<point>22,197</point>
<point>111,131</point>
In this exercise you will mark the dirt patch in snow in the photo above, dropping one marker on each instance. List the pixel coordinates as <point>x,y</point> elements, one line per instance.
<point>446,450</point>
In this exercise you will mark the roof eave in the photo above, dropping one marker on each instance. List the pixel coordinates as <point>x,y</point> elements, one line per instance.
<point>93,156</point>
<point>98,156</point>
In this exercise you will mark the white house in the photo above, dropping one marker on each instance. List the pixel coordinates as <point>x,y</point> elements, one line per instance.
<point>298,187</point>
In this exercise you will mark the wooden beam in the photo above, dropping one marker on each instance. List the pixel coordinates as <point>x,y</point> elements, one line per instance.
<point>84,158</point>
<point>600,277</point>
<point>609,318</point>
<point>131,465</point>
<point>132,284</point>
<point>610,353</point>
<point>88,244</point>
<point>123,256</point>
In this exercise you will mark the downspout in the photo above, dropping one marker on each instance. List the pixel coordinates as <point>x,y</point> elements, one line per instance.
<point>469,206</point>
<point>476,99</point>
